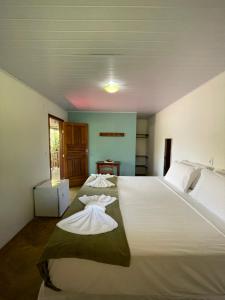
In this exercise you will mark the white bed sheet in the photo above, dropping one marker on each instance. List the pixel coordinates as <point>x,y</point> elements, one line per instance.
<point>177,251</point>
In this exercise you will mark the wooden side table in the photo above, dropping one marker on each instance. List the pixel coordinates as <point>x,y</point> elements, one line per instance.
<point>104,167</point>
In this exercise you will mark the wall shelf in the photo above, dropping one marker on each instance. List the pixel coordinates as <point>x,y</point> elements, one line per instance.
<point>142,159</point>
<point>139,174</point>
<point>112,134</point>
<point>141,166</point>
<point>142,135</point>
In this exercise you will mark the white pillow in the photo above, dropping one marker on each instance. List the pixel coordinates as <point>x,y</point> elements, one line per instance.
<point>198,167</point>
<point>220,171</point>
<point>181,176</point>
<point>210,192</point>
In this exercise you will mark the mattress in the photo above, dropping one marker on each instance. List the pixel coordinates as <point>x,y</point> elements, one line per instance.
<point>177,251</point>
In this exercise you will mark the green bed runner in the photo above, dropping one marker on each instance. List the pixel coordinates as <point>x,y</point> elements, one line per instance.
<point>110,247</point>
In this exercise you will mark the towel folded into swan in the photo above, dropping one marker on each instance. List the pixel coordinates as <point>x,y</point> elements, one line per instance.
<point>91,220</point>
<point>100,180</point>
<point>103,175</point>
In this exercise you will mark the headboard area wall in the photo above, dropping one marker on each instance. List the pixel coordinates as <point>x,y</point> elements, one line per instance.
<point>196,124</point>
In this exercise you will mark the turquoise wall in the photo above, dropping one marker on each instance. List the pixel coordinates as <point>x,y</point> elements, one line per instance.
<point>115,148</point>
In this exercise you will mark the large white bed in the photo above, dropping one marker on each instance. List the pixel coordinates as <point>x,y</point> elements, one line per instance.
<point>177,251</point>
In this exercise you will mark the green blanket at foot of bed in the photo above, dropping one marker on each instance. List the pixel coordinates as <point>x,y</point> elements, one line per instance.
<point>110,247</point>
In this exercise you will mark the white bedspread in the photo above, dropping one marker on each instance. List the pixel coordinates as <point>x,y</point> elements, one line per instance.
<point>178,251</point>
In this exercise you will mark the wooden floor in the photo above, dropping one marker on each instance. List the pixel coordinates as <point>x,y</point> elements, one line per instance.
<point>19,277</point>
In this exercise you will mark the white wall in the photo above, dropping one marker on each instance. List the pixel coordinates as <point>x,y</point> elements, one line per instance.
<point>196,123</point>
<point>24,152</point>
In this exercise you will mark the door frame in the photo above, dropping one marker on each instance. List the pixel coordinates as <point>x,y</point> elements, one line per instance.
<point>61,121</point>
<point>167,154</point>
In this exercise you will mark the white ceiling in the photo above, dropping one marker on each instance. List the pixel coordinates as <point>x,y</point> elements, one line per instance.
<point>159,50</point>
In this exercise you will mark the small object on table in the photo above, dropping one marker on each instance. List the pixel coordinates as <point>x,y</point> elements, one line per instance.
<point>109,161</point>
<point>108,167</point>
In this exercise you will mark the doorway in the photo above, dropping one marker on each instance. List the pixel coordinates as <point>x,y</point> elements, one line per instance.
<point>75,152</point>
<point>167,155</point>
<point>55,126</point>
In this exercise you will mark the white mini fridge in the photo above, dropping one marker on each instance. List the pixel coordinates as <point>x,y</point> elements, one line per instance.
<point>51,198</point>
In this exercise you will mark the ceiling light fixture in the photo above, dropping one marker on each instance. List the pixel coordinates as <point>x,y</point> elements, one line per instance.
<point>111,87</point>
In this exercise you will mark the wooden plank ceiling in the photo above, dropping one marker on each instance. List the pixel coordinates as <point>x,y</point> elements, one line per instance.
<point>159,50</point>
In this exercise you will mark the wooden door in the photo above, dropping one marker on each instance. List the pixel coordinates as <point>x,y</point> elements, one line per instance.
<point>75,152</point>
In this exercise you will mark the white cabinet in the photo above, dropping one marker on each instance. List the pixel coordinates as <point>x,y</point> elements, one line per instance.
<point>51,198</point>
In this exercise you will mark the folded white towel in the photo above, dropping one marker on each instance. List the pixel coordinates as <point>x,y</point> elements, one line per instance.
<point>103,175</point>
<point>91,220</point>
<point>100,181</point>
<point>101,199</point>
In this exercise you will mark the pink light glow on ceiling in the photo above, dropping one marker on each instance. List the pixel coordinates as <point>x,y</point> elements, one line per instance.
<point>78,102</point>
<point>100,100</point>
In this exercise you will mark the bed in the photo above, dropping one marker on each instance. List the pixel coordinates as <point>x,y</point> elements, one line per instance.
<point>177,251</point>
